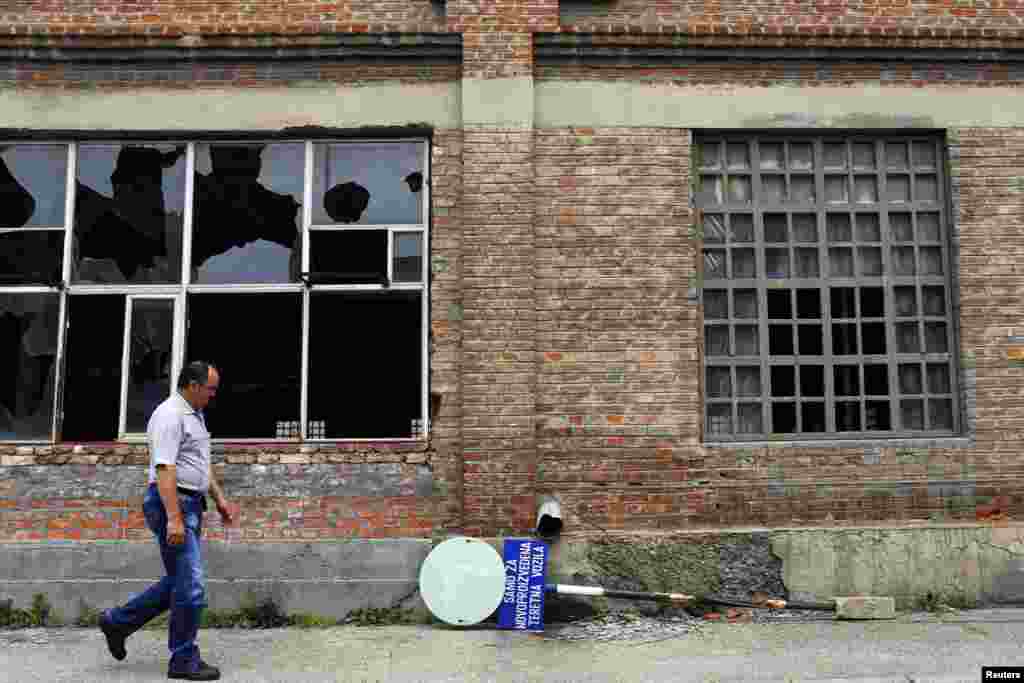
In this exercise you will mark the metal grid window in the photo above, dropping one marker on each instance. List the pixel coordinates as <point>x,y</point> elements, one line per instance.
<point>120,259</point>
<point>826,287</point>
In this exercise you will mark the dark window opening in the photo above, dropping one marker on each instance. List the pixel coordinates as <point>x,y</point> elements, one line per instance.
<point>28,351</point>
<point>349,256</point>
<point>847,416</point>
<point>780,340</point>
<point>844,339</point>
<point>783,380</point>
<point>876,380</point>
<point>876,416</point>
<point>812,341</point>
<point>873,338</point>
<point>783,418</point>
<point>780,304</point>
<point>92,384</point>
<point>247,213</point>
<point>808,303</point>
<point>129,214</point>
<point>812,380</point>
<point>872,302</point>
<point>813,417</point>
<point>847,380</point>
<point>255,340</point>
<point>31,257</point>
<point>365,373</point>
<point>843,302</point>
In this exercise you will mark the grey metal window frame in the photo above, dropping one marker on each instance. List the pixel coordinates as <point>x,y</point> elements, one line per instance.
<point>178,292</point>
<point>757,206</point>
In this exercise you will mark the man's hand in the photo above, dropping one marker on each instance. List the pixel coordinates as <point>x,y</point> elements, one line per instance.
<point>175,531</point>
<point>228,512</point>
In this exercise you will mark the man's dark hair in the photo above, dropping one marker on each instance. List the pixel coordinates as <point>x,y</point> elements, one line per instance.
<point>196,372</point>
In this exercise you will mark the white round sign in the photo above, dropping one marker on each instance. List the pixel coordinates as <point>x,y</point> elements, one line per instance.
<point>462,581</point>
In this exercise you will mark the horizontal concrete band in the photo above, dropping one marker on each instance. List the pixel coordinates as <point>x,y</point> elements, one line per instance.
<point>516,103</point>
<point>72,482</point>
<point>391,560</point>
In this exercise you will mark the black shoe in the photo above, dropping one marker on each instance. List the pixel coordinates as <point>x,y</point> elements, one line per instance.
<point>115,638</point>
<point>202,672</point>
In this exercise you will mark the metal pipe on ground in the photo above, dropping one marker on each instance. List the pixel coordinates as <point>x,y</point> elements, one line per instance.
<point>681,599</point>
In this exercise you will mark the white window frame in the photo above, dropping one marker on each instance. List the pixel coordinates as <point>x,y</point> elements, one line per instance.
<point>178,293</point>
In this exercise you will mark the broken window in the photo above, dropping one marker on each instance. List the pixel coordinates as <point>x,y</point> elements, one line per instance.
<point>248,219</point>
<point>853,291</point>
<point>255,340</point>
<point>364,373</point>
<point>288,253</point>
<point>129,214</point>
<point>29,325</point>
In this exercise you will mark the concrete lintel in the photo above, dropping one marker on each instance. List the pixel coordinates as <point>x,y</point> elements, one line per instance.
<point>623,104</point>
<point>230,109</point>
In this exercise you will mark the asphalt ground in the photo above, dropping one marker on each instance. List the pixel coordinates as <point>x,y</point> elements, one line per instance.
<point>913,647</point>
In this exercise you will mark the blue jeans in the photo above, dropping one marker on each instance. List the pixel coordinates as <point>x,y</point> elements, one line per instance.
<point>183,590</point>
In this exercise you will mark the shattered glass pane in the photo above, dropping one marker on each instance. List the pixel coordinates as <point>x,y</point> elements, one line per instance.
<point>129,214</point>
<point>247,213</point>
<point>29,324</point>
<point>368,183</point>
<point>714,227</point>
<point>33,180</point>
<point>149,360</point>
<point>714,264</point>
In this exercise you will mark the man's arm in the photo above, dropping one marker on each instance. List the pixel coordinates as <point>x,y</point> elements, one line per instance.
<point>220,500</point>
<point>167,485</point>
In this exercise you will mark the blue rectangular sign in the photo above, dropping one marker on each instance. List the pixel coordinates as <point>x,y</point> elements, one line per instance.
<point>522,605</point>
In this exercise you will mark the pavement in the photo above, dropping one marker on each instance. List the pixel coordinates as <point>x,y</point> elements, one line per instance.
<point>917,647</point>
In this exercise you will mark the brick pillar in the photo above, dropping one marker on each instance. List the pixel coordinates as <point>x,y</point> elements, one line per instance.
<point>498,365</point>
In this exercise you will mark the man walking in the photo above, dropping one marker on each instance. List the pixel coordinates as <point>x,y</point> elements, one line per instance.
<point>179,479</point>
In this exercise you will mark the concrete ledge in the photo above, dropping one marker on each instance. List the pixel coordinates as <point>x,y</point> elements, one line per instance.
<point>865,607</point>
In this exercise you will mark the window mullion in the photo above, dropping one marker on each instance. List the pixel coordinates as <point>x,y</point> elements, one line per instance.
<point>125,349</point>
<point>307,219</point>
